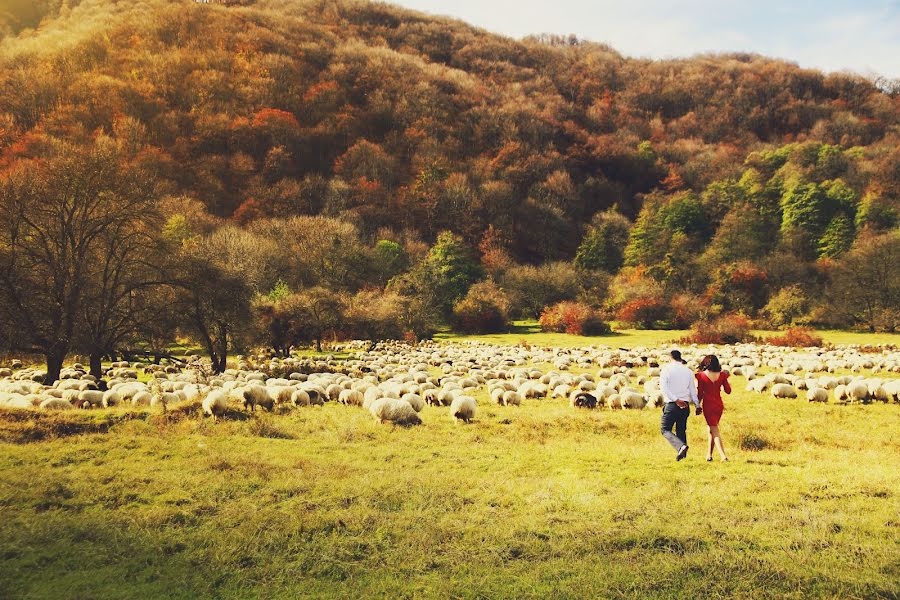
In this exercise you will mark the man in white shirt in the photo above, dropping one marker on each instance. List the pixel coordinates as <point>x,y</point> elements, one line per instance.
<point>679,388</point>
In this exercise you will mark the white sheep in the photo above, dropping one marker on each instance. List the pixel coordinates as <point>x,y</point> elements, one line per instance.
<point>55,404</point>
<point>511,398</point>
<point>393,410</point>
<point>414,400</point>
<point>215,404</point>
<point>784,390</point>
<point>632,399</point>
<point>817,394</point>
<point>257,395</point>
<point>463,408</point>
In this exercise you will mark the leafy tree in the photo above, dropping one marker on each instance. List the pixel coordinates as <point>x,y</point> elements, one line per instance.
<point>603,247</point>
<point>838,237</point>
<point>788,304</point>
<point>865,285</point>
<point>531,288</point>
<point>446,274</point>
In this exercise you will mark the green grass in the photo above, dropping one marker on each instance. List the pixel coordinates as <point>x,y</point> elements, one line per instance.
<point>535,501</point>
<point>530,332</point>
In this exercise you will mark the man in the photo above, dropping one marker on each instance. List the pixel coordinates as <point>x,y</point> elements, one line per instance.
<point>677,383</point>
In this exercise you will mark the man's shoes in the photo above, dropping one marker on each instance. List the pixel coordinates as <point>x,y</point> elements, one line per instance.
<point>682,453</point>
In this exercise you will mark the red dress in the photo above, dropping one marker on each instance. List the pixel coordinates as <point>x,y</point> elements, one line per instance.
<point>710,395</point>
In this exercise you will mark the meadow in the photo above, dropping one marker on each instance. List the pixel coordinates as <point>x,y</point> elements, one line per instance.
<point>534,501</point>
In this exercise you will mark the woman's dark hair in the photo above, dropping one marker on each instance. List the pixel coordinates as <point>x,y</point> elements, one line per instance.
<point>710,363</point>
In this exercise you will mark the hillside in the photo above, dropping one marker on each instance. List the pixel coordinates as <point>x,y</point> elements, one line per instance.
<point>392,118</point>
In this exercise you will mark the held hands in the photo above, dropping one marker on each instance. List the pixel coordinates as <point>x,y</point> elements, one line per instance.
<point>699,410</point>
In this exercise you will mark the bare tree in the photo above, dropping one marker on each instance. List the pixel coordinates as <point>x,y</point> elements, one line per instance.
<point>58,217</point>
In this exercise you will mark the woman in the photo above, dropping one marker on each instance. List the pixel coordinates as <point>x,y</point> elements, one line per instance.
<point>711,380</point>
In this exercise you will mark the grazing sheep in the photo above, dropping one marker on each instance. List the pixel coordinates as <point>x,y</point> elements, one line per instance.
<point>396,411</point>
<point>784,390</point>
<point>215,404</point>
<point>351,397</point>
<point>580,399</point>
<point>90,399</point>
<point>55,404</point>
<point>463,408</point>
<point>614,401</point>
<point>300,398</point>
<point>817,394</point>
<point>414,400</point>
<point>142,398</point>
<point>511,398</point>
<point>632,399</point>
<point>256,395</point>
<point>857,391</point>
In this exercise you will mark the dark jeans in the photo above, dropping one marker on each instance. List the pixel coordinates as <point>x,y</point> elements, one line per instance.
<point>675,417</point>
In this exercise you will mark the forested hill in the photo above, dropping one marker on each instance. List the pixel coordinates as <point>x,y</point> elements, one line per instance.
<point>391,118</point>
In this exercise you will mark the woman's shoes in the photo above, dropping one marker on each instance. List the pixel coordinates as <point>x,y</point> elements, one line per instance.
<point>709,459</point>
<point>725,459</point>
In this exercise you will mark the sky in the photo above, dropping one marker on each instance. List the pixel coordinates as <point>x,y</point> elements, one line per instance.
<point>861,36</point>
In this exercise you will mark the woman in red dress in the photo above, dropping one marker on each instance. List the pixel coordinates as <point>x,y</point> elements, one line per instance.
<point>711,380</point>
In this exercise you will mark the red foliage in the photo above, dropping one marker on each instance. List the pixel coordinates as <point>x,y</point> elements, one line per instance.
<point>796,337</point>
<point>273,117</point>
<point>643,311</point>
<point>728,329</point>
<point>673,181</point>
<point>573,318</point>
<point>318,90</point>
<point>248,211</point>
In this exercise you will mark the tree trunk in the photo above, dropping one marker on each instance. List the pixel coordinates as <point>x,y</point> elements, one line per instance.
<point>55,360</point>
<point>96,363</point>
<point>318,344</point>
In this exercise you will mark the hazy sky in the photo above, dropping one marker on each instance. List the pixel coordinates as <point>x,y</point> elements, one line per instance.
<point>861,35</point>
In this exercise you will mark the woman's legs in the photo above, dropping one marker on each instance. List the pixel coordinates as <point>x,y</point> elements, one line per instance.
<point>714,437</point>
<point>710,441</point>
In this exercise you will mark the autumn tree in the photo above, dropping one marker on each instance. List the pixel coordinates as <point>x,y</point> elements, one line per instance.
<point>73,249</point>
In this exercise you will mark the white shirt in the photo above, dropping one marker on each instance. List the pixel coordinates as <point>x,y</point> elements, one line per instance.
<point>677,383</point>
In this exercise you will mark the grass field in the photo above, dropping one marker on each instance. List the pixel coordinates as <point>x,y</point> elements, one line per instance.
<point>535,501</point>
<point>530,332</point>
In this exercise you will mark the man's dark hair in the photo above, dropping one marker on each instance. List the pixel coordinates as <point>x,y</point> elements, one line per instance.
<point>676,354</point>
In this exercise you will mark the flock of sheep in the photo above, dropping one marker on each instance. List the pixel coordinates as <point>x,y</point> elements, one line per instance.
<point>394,381</point>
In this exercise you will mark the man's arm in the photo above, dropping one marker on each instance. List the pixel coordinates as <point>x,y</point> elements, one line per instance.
<point>664,385</point>
<point>692,386</point>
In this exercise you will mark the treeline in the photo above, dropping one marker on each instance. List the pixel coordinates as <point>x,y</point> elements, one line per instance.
<point>305,158</point>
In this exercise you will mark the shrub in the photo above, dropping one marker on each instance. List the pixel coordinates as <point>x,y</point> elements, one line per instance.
<point>574,318</point>
<point>687,309</point>
<point>753,442</point>
<point>796,337</point>
<point>484,309</point>
<point>727,329</point>
<point>643,312</point>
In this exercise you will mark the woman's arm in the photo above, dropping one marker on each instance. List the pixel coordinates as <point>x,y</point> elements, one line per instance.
<point>725,385</point>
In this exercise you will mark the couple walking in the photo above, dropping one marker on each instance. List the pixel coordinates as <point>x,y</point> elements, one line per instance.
<point>681,387</point>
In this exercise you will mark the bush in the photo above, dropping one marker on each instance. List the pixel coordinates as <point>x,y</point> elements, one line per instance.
<point>643,312</point>
<point>687,309</point>
<point>796,337</point>
<point>573,318</point>
<point>727,329</point>
<point>753,442</point>
<point>485,309</point>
